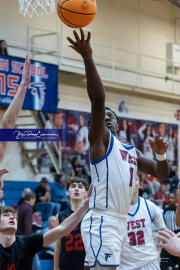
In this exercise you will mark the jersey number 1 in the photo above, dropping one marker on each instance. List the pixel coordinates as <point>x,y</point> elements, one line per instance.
<point>131,176</point>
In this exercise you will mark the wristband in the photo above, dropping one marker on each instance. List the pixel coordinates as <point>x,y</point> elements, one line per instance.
<point>161,157</point>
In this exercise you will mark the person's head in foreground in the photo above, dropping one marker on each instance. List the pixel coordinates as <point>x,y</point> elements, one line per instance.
<point>77,189</point>
<point>139,182</point>
<point>8,220</point>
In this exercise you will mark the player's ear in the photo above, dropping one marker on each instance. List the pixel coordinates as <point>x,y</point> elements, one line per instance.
<point>141,184</point>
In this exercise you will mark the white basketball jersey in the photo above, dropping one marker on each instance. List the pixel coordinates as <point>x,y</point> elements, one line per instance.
<point>113,178</point>
<point>139,249</point>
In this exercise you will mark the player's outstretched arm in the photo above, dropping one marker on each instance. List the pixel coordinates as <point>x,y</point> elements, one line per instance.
<point>95,87</point>
<point>2,171</point>
<point>158,169</point>
<point>170,242</point>
<point>69,224</point>
<point>12,113</point>
<point>57,249</point>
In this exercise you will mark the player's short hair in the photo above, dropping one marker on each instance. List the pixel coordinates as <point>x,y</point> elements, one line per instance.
<point>77,180</point>
<point>106,108</point>
<point>141,176</point>
<point>172,193</point>
<point>6,209</point>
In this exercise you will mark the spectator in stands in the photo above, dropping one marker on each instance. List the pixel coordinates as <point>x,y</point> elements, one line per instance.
<point>79,171</point>
<point>161,195</point>
<point>87,172</point>
<point>71,258</point>
<point>2,203</point>
<point>43,201</point>
<point>144,191</point>
<point>25,213</point>
<point>59,193</point>
<point>153,184</point>
<point>48,252</point>
<point>25,191</point>
<point>173,171</point>
<point>3,47</point>
<point>67,168</point>
<point>76,165</point>
<point>167,184</point>
<point>169,216</point>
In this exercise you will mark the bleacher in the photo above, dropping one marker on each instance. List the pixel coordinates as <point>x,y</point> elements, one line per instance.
<point>12,193</point>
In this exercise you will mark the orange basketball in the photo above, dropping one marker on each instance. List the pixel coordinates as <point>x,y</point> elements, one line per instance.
<point>76,13</point>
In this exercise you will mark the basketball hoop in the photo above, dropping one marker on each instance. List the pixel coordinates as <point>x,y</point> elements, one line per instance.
<point>38,6</point>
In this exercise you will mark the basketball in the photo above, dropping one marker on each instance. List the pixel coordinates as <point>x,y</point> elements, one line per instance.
<point>76,13</point>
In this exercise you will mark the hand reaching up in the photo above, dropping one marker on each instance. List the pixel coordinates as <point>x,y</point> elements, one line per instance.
<point>81,46</point>
<point>2,171</point>
<point>159,146</point>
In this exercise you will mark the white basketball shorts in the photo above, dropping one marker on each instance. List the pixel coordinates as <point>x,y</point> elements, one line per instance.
<point>104,235</point>
<point>154,265</point>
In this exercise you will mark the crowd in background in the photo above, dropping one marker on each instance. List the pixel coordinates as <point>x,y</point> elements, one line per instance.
<point>3,47</point>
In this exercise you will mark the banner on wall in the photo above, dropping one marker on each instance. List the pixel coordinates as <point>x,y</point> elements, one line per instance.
<point>131,131</point>
<point>41,93</point>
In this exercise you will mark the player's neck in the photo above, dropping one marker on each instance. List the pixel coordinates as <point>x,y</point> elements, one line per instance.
<point>7,239</point>
<point>75,204</point>
<point>135,198</point>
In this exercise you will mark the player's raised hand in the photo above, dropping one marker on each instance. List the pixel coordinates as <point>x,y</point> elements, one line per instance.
<point>170,242</point>
<point>81,45</point>
<point>159,146</point>
<point>26,75</point>
<point>2,171</point>
<point>86,201</point>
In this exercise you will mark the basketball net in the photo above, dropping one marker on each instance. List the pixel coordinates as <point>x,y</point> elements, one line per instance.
<point>38,6</point>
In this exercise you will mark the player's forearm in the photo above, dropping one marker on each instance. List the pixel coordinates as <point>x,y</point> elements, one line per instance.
<point>66,226</point>
<point>178,215</point>
<point>162,169</point>
<point>95,86</point>
<point>56,257</point>
<point>12,113</point>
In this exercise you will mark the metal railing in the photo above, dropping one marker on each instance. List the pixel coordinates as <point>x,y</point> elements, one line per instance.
<point>114,64</point>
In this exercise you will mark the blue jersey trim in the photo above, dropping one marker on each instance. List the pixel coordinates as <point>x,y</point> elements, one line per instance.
<point>97,172</point>
<point>94,196</point>
<point>86,261</point>
<point>107,154</point>
<point>107,183</point>
<point>100,237</point>
<point>128,147</point>
<point>148,209</point>
<point>132,215</point>
<point>91,236</point>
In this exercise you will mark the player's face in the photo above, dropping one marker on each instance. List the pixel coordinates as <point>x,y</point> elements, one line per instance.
<point>171,200</point>
<point>111,122</point>
<point>8,222</point>
<point>76,191</point>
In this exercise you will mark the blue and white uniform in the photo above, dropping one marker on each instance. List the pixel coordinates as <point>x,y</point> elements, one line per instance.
<point>139,251</point>
<point>104,228</point>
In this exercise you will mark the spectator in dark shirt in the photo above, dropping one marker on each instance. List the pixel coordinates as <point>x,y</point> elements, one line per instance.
<point>76,165</point>
<point>43,201</point>
<point>161,195</point>
<point>3,47</point>
<point>25,191</point>
<point>25,212</point>
<point>67,168</point>
<point>169,216</point>
<point>59,193</point>
<point>48,252</point>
